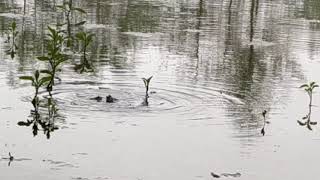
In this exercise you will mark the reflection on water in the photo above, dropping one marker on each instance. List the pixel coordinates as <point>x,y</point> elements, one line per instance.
<point>43,116</point>
<point>216,65</point>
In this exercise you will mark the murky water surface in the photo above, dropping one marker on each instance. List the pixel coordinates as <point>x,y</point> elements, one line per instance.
<point>216,65</point>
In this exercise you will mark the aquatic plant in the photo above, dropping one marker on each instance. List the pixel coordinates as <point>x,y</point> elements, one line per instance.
<point>36,82</point>
<point>110,99</point>
<point>264,122</point>
<point>11,38</point>
<point>67,9</point>
<point>85,40</point>
<point>146,84</point>
<point>54,56</point>
<point>309,89</point>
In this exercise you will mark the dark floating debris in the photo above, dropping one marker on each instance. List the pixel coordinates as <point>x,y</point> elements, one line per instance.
<point>98,98</point>
<point>231,175</point>
<point>234,175</point>
<point>214,175</point>
<point>110,99</point>
<point>263,132</point>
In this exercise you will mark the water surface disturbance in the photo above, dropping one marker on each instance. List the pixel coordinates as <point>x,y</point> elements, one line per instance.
<point>159,89</point>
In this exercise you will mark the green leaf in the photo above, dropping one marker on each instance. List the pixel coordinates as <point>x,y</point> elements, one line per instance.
<point>30,78</point>
<point>79,10</point>
<point>80,36</point>
<point>145,81</point>
<point>52,32</point>
<point>46,72</point>
<point>13,25</point>
<point>301,123</point>
<point>60,7</point>
<point>37,74</point>
<point>43,80</point>
<point>312,83</point>
<point>309,126</point>
<point>313,123</point>
<point>304,85</point>
<point>149,79</point>
<point>43,58</point>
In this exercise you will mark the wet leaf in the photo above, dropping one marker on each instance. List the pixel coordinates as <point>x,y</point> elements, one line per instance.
<point>301,123</point>
<point>304,85</point>
<point>313,123</point>
<point>43,58</point>
<point>30,78</point>
<point>23,123</point>
<point>52,31</point>
<point>44,80</point>
<point>37,74</point>
<point>149,79</point>
<point>60,7</point>
<point>13,25</point>
<point>79,10</point>
<point>45,71</point>
<point>312,83</point>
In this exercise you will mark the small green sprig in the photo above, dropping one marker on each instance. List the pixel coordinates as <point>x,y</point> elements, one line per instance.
<point>54,56</point>
<point>309,88</point>
<point>146,84</point>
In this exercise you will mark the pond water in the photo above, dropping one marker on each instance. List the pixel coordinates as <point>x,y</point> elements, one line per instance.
<point>216,66</point>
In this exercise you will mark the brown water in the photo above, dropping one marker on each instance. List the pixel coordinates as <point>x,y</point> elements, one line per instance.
<point>216,65</point>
